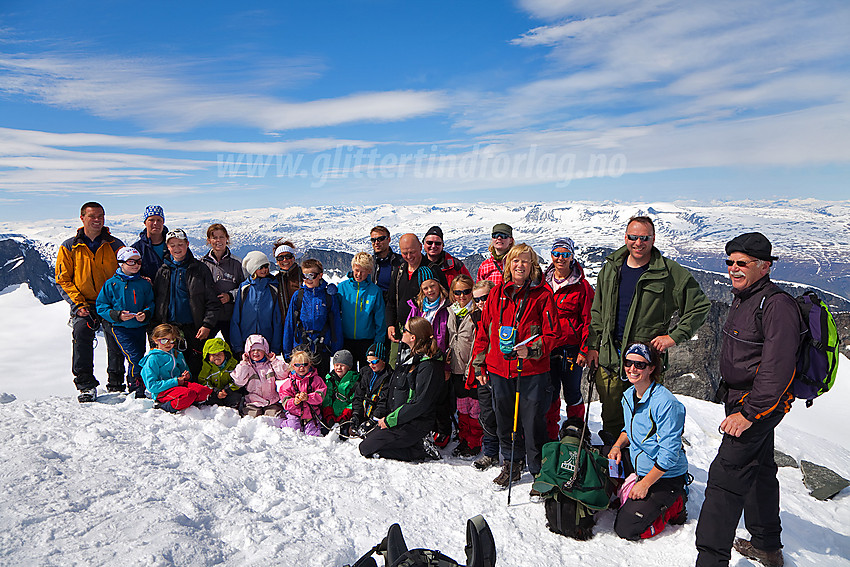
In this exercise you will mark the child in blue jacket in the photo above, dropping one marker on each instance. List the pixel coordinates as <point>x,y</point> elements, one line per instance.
<point>125,303</point>
<point>314,318</point>
<point>166,375</point>
<point>255,309</point>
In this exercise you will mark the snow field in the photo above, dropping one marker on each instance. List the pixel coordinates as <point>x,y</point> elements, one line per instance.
<point>119,482</point>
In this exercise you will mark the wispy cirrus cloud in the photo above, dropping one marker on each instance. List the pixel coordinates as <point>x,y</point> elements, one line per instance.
<point>731,82</point>
<point>157,96</point>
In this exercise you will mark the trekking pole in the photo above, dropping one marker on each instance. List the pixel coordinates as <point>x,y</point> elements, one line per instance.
<point>590,377</point>
<point>513,434</point>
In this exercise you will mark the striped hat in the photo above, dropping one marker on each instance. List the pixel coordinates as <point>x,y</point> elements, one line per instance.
<point>565,243</point>
<point>424,274</point>
<point>379,351</point>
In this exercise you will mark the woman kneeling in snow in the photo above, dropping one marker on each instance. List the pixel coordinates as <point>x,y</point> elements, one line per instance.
<point>655,421</point>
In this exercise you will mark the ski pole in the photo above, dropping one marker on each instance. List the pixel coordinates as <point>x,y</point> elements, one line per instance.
<point>513,434</point>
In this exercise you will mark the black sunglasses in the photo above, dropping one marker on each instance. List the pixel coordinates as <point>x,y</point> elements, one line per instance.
<point>481,299</point>
<point>378,239</point>
<point>641,237</point>
<point>739,263</point>
<point>501,235</point>
<point>459,292</point>
<point>639,364</point>
<point>283,257</point>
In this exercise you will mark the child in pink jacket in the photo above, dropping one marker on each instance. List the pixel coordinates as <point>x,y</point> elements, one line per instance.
<point>258,371</point>
<point>302,394</point>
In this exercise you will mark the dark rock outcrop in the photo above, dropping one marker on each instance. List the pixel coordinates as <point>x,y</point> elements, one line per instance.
<point>21,262</point>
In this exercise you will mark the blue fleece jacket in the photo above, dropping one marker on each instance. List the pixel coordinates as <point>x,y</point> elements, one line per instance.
<point>362,305</point>
<point>655,425</point>
<point>259,314</point>
<point>125,293</point>
<point>318,306</point>
<point>160,370</point>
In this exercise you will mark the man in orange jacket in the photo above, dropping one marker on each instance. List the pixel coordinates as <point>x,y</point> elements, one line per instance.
<point>84,263</point>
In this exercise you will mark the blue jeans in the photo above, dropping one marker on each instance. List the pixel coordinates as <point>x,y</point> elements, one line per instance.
<point>132,341</point>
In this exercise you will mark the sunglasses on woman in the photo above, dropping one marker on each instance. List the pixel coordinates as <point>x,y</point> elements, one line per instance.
<point>565,255</point>
<point>639,364</point>
<point>283,257</point>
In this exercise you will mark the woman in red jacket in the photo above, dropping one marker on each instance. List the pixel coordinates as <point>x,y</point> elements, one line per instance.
<point>519,329</point>
<point>573,298</point>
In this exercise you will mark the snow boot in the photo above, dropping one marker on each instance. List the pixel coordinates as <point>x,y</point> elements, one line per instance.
<point>88,395</point>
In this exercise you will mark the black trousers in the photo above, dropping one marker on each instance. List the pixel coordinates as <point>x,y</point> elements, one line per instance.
<point>358,349</point>
<point>400,443</point>
<point>82,357</point>
<point>487,419</point>
<point>635,516</point>
<point>742,477</point>
<point>535,397</point>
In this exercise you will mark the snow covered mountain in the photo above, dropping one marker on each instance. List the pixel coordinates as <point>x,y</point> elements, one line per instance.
<point>812,238</point>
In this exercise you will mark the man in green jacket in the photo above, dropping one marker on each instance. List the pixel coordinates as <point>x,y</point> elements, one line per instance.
<point>637,292</point>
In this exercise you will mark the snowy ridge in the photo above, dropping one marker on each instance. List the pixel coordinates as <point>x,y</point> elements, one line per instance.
<point>118,482</point>
<point>811,237</point>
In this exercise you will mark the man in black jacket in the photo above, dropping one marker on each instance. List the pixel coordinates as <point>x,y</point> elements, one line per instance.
<point>757,363</point>
<point>185,296</point>
<point>385,259</point>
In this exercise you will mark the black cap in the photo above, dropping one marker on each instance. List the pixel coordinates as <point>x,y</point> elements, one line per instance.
<point>435,230</point>
<point>753,244</point>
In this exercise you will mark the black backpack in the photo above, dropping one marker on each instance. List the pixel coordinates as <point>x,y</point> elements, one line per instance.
<point>480,550</point>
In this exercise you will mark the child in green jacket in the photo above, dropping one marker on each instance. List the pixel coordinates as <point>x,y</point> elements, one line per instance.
<point>215,373</point>
<point>341,381</point>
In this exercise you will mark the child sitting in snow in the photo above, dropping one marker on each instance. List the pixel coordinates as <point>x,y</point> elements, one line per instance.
<point>341,380</point>
<point>215,373</point>
<point>369,399</point>
<point>302,394</point>
<point>258,371</point>
<point>166,375</point>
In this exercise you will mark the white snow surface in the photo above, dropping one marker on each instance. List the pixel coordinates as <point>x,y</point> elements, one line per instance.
<point>118,482</point>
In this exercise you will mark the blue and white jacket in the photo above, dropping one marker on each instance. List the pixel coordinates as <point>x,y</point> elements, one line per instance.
<point>125,293</point>
<point>655,424</point>
<point>319,306</point>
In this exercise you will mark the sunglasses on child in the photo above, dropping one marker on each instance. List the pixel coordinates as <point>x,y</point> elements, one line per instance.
<point>481,299</point>
<point>739,263</point>
<point>459,292</point>
<point>375,361</point>
<point>166,341</point>
<point>133,262</point>
<point>639,364</point>
<point>310,276</point>
<point>378,239</point>
<point>641,237</point>
<point>300,364</point>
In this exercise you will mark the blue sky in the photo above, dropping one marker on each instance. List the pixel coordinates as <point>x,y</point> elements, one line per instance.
<point>205,105</point>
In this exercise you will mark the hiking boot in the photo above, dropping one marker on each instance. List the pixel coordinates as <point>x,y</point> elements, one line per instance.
<point>442,439</point>
<point>470,452</point>
<point>484,462</point>
<point>461,447</point>
<point>88,395</point>
<point>535,495</point>
<point>115,388</point>
<point>431,450</point>
<point>505,475</point>
<point>767,558</point>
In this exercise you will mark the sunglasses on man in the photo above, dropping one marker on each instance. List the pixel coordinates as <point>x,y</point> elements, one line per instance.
<point>641,237</point>
<point>739,263</point>
<point>378,239</point>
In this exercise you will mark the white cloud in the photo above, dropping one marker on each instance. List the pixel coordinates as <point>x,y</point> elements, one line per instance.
<point>157,96</point>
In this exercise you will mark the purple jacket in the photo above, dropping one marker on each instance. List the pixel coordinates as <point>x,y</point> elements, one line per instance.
<point>440,324</point>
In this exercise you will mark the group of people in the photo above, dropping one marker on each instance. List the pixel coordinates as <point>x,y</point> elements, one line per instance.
<point>410,349</point>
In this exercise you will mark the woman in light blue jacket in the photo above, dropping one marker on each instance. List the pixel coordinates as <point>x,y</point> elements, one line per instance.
<point>655,422</point>
<point>362,305</point>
